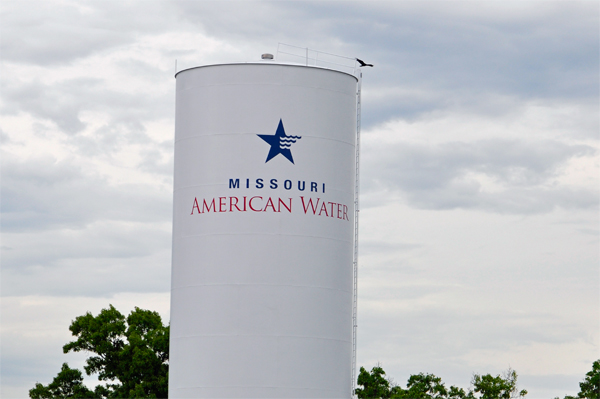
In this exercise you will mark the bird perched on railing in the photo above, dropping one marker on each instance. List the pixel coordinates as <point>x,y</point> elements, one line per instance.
<point>362,63</point>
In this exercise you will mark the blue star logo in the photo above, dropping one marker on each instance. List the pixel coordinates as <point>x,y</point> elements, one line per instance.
<point>280,143</point>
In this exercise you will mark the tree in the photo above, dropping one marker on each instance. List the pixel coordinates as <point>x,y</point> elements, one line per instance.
<point>498,387</point>
<point>590,387</point>
<point>428,386</point>
<point>67,384</point>
<point>422,386</point>
<point>374,384</point>
<point>131,356</point>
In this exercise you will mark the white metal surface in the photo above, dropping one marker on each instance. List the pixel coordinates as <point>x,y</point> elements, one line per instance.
<point>263,249</point>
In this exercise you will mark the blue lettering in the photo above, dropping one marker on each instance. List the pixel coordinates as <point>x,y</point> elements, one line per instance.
<point>274,184</point>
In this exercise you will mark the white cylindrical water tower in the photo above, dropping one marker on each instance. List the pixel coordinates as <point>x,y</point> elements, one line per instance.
<point>263,232</point>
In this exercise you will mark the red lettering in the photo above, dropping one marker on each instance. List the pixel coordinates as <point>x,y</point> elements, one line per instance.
<point>310,203</point>
<point>222,203</point>
<point>195,206</point>
<point>339,209</point>
<point>332,204</point>
<point>346,213</point>
<point>231,204</point>
<point>250,204</point>
<point>323,208</point>
<point>244,204</point>
<point>269,203</point>
<point>284,205</point>
<point>207,207</point>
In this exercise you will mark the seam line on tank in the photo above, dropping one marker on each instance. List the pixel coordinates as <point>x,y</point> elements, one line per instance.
<point>243,134</point>
<point>261,234</point>
<point>261,386</point>
<point>195,86</point>
<point>261,285</point>
<point>262,335</point>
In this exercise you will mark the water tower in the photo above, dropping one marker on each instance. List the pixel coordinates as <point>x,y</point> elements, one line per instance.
<point>263,300</point>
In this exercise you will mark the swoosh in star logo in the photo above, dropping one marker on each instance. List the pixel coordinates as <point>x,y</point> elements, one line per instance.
<point>280,143</point>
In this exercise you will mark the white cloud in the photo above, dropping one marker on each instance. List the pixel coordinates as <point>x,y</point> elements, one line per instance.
<point>530,161</point>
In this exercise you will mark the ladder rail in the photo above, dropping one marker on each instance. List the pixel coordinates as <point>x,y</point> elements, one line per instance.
<point>355,258</point>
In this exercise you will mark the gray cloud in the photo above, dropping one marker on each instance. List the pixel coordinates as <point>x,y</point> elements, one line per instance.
<point>62,103</point>
<point>92,263</point>
<point>453,54</point>
<point>116,243</point>
<point>369,247</point>
<point>438,340</point>
<point>437,176</point>
<point>4,138</point>
<point>270,21</point>
<point>43,194</point>
<point>31,37</point>
<point>460,52</point>
<point>75,30</point>
<point>57,105</point>
<point>477,330</point>
<point>466,45</point>
<point>154,161</point>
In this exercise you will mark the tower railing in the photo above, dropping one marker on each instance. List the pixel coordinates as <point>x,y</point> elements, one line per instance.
<point>310,57</point>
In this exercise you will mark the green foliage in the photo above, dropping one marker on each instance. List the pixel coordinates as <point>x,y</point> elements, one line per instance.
<point>422,386</point>
<point>458,393</point>
<point>428,386</point>
<point>489,387</point>
<point>590,387</point>
<point>374,384</point>
<point>131,355</point>
<point>68,383</point>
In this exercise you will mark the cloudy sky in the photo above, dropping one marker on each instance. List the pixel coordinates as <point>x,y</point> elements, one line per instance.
<point>479,189</point>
